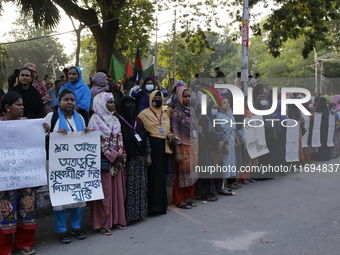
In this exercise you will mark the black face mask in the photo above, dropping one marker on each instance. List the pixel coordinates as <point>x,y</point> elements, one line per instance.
<point>157,103</point>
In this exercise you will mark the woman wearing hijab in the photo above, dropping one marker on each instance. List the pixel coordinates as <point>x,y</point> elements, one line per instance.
<point>99,84</point>
<point>109,211</point>
<point>142,95</point>
<point>271,135</point>
<point>18,208</point>
<point>336,138</point>
<point>324,152</point>
<point>229,137</point>
<point>81,90</point>
<point>157,124</point>
<point>68,120</point>
<point>33,104</point>
<point>210,143</point>
<point>336,100</point>
<point>258,90</point>
<point>185,127</point>
<point>138,152</point>
<point>174,98</point>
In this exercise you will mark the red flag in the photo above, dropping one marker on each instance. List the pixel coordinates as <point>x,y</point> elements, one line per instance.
<point>128,70</point>
<point>138,67</point>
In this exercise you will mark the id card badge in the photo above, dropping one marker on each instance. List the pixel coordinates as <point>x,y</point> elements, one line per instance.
<point>161,131</point>
<point>138,137</point>
<point>194,134</point>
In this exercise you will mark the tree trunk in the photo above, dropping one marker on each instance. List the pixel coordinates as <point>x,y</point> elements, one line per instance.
<point>104,34</point>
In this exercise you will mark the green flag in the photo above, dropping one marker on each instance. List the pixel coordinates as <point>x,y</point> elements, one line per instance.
<point>149,72</point>
<point>116,70</point>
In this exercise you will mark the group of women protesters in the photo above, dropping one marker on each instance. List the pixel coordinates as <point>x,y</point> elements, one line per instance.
<point>141,143</point>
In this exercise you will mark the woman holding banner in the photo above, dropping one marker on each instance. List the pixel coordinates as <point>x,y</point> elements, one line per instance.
<point>324,152</point>
<point>18,209</point>
<point>65,120</point>
<point>110,211</point>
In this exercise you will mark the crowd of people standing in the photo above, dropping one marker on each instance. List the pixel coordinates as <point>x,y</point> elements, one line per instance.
<point>142,140</point>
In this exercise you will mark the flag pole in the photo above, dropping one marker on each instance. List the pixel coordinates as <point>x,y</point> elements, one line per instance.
<point>245,44</point>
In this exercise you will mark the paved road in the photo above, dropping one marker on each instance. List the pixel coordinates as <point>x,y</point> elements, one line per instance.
<point>293,214</point>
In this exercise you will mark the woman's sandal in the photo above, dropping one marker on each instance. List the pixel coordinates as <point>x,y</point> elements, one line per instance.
<point>210,198</point>
<point>184,206</point>
<point>79,233</point>
<point>226,193</point>
<point>27,250</point>
<point>191,203</point>
<point>65,238</point>
<point>120,227</point>
<point>105,231</point>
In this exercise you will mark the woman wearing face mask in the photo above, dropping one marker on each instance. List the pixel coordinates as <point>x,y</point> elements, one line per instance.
<point>336,138</point>
<point>336,100</point>
<point>142,95</point>
<point>33,104</point>
<point>258,90</point>
<point>157,123</point>
<point>81,90</point>
<point>138,151</point>
<point>229,138</point>
<point>210,142</point>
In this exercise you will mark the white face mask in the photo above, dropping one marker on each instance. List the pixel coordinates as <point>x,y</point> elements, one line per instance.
<point>263,102</point>
<point>149,87</point>
<point>213,112</point>
<point>310,106</point>
<point>333,110</point>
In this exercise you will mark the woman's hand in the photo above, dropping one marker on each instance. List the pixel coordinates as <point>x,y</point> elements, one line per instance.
<point>87,130</point>
<point>120,158</point>
<point>178,158</point>
<point>148,160</point>
<point>46,127</point>
<point>117,165</point>
<point>62,130</point>
<point>220,146</point>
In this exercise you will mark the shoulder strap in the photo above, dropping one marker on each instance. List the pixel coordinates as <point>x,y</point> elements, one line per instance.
<point>55,117</point>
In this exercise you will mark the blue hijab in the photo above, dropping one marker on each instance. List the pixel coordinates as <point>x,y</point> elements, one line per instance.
<point>77,120</point>
<point>80,89</point>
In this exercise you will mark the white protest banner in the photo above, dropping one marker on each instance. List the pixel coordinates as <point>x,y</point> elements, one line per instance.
<point>22,154</point>
<point>306,135</point>
<point>331,129</point>
<point>292,141</point>
<point>74,168</point>
<point>255,136</point>
<point>316,135</point>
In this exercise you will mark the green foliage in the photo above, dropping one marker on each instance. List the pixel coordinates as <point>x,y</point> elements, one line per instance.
<point>36,51</point>
<point>88,51</point>
<point>189,60</point>
<point>289,64</point>
<point>227,55</point>
<point>3,58</point>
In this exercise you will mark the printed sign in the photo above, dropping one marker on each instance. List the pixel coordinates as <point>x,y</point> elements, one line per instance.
<point>331,130</point>
<point>255,137</point>
<point>74,168</point>
<point>22,154</point>
<point>292,142</point>
<point>316,139</point>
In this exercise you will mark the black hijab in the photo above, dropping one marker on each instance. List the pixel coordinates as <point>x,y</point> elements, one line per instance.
<point>128,113</point>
